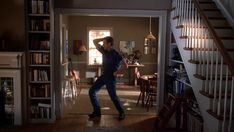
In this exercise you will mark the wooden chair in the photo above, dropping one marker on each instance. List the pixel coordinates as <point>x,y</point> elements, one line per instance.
<point>143,87</point>
<point>72,80</point>
<point>151,93</point>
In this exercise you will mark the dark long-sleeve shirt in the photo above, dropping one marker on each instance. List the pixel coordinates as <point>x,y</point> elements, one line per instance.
<point>111,61</point>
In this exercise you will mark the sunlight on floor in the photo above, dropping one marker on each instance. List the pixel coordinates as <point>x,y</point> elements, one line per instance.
<point>127,95</point>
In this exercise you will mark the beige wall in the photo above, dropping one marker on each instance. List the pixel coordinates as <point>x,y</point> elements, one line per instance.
<point>114,4</point>
<point>12,24</point>
<point>124,28</point>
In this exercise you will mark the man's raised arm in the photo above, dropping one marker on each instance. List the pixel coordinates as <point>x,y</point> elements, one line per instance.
<point>96,42</point>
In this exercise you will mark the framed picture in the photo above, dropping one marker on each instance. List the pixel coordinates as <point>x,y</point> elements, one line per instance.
<point>76,46</point>
<point>153,50</point>
<point>126,47</point>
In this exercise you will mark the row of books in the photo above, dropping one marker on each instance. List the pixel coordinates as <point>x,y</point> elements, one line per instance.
<point>39,7</point>
<point>40,58</point>
<point>40,90</point>
<point>40,44</point>
<point>39,75</point>
<point>42,110</point>
<point>40,25</point>
<point>194,122</point>
<point>176,88</point>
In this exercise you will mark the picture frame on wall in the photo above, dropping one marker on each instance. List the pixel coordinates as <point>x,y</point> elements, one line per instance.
<point>126,47</point>
<point>76,46</point>
<point>153,50</point>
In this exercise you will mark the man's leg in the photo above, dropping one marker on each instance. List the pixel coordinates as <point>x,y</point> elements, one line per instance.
<point>111,88</point>
<point>93,97</point>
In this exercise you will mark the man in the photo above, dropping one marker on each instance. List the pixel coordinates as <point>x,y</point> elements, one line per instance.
<point>110,65</point>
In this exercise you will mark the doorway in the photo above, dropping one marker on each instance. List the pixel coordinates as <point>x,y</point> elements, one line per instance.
<point>161,40</point>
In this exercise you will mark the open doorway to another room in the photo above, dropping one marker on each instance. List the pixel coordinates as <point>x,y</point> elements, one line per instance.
<point>130,41</point>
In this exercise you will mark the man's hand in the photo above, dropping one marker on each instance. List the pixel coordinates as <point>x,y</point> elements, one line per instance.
<point>123,66</point>
<point>125,63</point>
<point>115,73</point>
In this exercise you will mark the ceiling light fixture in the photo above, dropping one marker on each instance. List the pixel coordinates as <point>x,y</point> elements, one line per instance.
<point>150,35</point>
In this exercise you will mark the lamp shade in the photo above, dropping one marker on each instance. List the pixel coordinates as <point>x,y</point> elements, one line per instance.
<point>78,47</point>
<point>150,35</point>
<point>82,48</point>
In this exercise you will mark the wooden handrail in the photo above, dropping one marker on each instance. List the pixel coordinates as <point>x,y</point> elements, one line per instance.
<point>217,40</point>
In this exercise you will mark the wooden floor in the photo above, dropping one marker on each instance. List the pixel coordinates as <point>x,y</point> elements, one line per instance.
<point>81,123</point>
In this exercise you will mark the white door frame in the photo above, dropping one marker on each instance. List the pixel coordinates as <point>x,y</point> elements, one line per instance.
<point>161,14</point>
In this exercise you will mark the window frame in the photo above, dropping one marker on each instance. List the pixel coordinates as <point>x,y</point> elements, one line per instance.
<point>96,28</point>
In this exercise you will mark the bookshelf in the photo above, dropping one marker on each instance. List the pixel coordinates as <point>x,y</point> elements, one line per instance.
<point>39,27</point>
<point>178,85</point>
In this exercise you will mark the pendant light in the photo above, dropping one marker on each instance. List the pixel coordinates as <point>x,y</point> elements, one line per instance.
<point>150,36</point>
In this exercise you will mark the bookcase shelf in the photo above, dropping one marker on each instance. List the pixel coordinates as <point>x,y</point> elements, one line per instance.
<point>39,15</point>
<point>39,28</point>
<point>39,65</point>
<point>177,61</point>
<point>178,84</point>
<point>38,51</point>
<point>44,82</point>
<point>40,98</point>
<point>40,32</point>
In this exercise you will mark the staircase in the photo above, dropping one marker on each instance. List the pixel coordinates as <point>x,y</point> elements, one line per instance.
<point>206,44</point>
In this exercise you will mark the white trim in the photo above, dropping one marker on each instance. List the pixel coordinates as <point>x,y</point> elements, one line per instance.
<point>161,60</point>
<point>111,12</point>
<point>225,12</point>
<point>162,14</point>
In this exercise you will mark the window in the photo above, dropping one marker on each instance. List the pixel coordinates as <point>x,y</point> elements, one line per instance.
<point>94,56</point>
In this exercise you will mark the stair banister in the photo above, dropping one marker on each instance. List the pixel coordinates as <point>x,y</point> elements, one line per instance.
<point>214,66</point>
<point>218,42</point>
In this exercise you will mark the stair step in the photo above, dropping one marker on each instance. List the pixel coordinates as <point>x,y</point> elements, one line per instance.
<point>204,62</point>
<point>227,38</point>
<point>175,17</point>
<point>211,9</point>
<point>202,49</point>
<point>219,117</point>
<point>213,77</point>
<point>222,27</point>
<point>208,6</point>
<point>206,2</point>
<point>216,27</point>
<point>199,37</point>
<point>216,18</point>
<point>219,22</point>
<point>212,96</point>
<point>196,37</point>
<point>173,8</point>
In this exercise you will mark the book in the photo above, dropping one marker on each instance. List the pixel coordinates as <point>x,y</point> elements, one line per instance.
<point>44,105</point>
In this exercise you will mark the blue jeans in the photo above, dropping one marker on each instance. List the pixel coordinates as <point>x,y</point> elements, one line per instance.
<point>111,88</point>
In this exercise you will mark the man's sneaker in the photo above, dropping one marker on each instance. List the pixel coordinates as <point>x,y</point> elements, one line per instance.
<point>95,114</point>
<point>121,116</point>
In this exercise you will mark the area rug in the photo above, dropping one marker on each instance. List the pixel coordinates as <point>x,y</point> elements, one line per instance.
<point>128,97</point>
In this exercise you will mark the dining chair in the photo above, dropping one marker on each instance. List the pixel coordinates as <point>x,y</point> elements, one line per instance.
<point>151,93</point>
